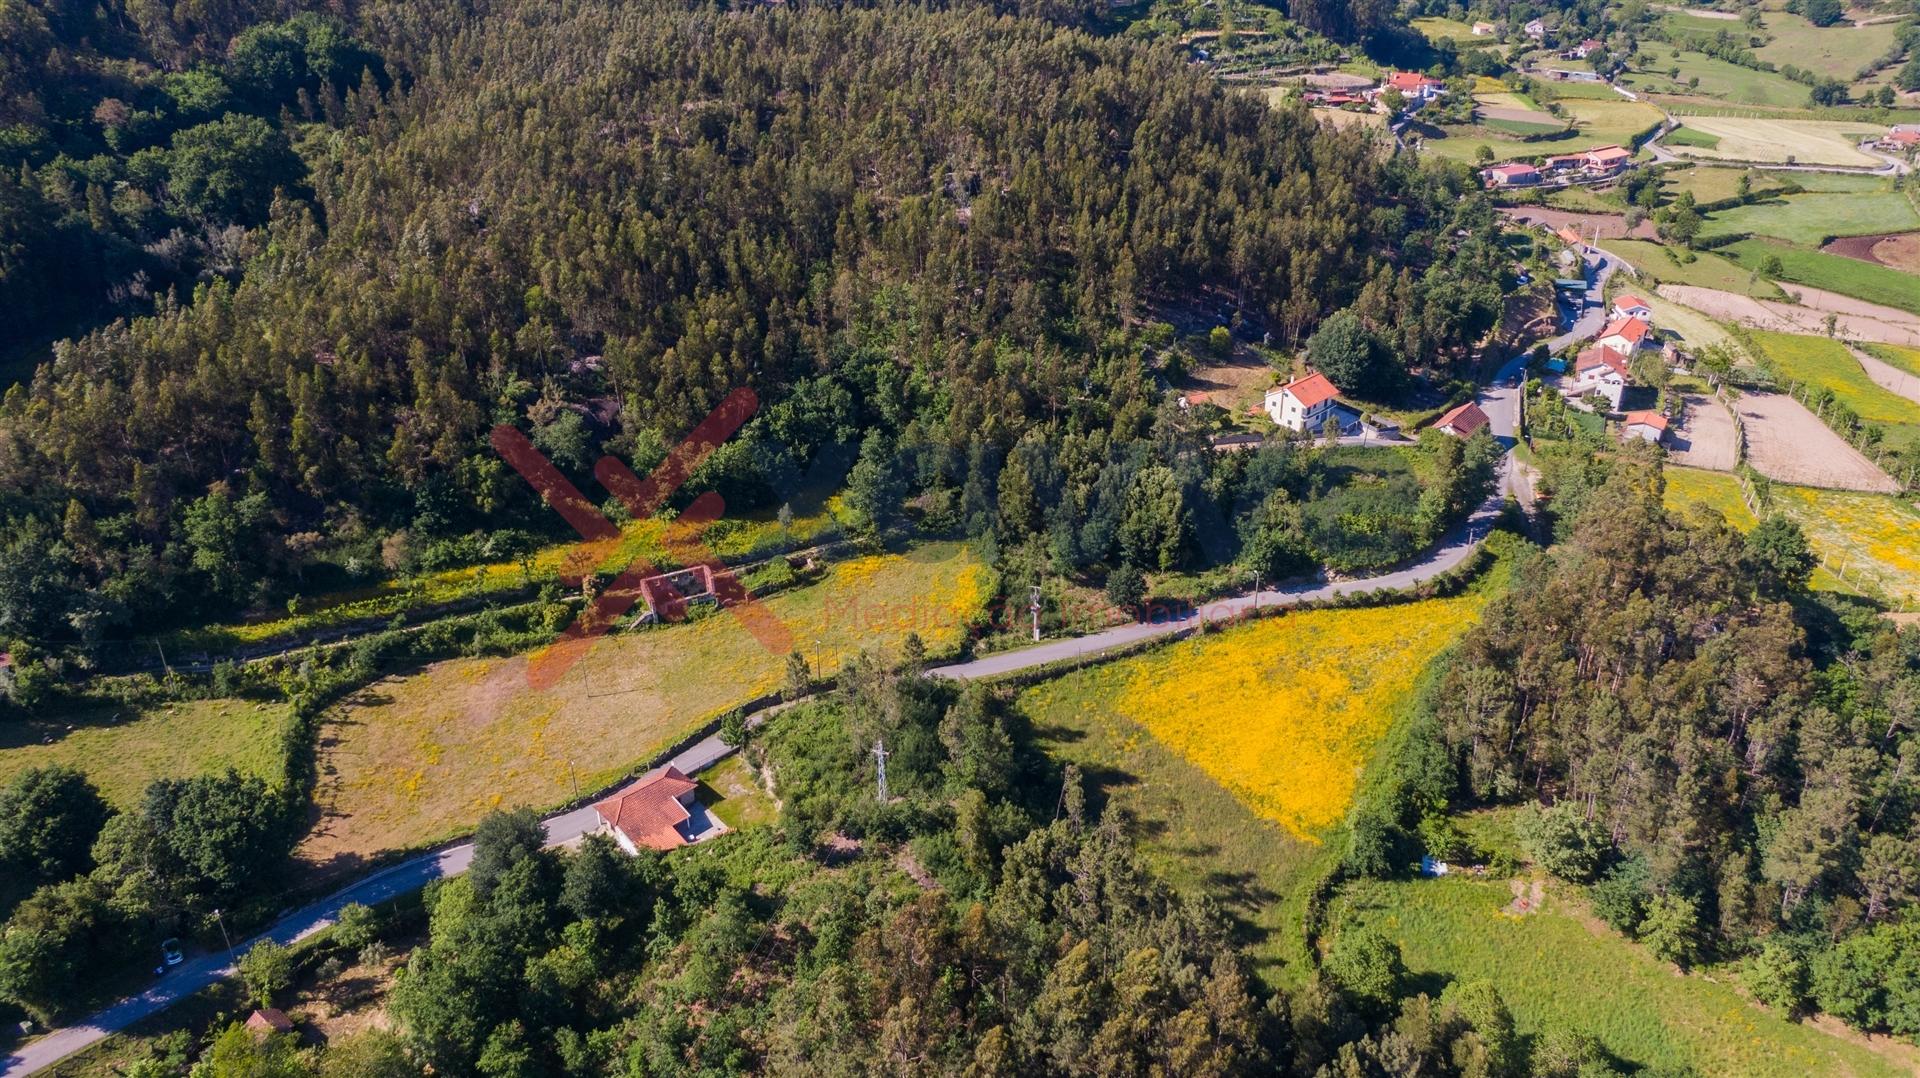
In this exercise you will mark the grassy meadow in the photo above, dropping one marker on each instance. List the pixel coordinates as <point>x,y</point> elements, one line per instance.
<point>1704,268</point>
<point>1834,273</point>
<point>1784,141</point>
<point>1835,52</point>
<point>124,749</point>
<point>1816,217</point>
<point>1719,80</point>
<point>1907,359</point>
<point>1561,968</point>
<point>416,758</point>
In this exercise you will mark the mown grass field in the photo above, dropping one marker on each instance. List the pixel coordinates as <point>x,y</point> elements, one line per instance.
<point>1827,363</point>
<point>1782,141</point>
<point>417,758</point>
<point>1560,968</point>
<point>1813,218</point>
<point>1705,269</point>
<point>123,750</point>
<point>1873,539</point>
<point>1438,29</point>
<point>1694,330</point>
<point>1835,273</point>
<point>1718,79</point>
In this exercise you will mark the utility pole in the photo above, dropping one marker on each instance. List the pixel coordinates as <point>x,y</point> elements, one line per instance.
<point>1034,592</point>
<point>221,921</point>
<point>880,755</point>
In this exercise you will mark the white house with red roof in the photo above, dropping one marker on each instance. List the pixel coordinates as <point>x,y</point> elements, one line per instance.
<point>1607,160</point>
<point>1303,404</point>
<point>1511,174</point>
<point>1463,422</point>
<point>1629,306</point>
<point>1603,370</point>
<point>659,812</point>
<point>1624,335</point>
<point>1646,426</point>
<point>1901,137</point>
<point>1415,86</point>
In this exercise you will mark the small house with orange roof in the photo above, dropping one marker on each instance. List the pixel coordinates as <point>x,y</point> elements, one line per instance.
<point>1607,160</point>
<point>1646,426</point>
<point>1623,335</point>
<point>1630,306</point>
<point>1303,404</point>
<point>1463,422</point>
<point>267,1021</point>
<point>659,812</point>
<point>1602,370</point>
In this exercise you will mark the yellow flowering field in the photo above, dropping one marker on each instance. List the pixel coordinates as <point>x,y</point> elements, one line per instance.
<point>1283,712</point>
<point>418,758</point>
<point>1866,542</point>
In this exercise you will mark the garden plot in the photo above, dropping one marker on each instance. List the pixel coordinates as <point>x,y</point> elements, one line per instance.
<point>1788,443</point>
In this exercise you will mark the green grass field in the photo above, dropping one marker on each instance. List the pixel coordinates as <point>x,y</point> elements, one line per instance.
<point>123,750</point>
<point>1438,29</point>
<point>1707,184</point>
<point>1835,52</point>
<point>1707,269</point>
<point>1687,136</point>
<point>1827,363</point>
<point>1772,140</point>
<point>1835,273</point>
<point>1696,488</point>
<point>1561,968</point>
<point>1616,120</point>
<point>1718,80</point>
<point>1814,218</point>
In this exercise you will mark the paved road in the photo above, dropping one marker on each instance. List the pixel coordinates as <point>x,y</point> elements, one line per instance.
<point>1499,400</point>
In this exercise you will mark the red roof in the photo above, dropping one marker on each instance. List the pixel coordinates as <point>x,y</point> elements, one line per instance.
<point>270,1019</point>
<point>1600,356</point>
<point>649,812</point>
<point>1410,80</point>
<point>1651,419</point>
<point>1512,169</point>
<point>1602,154</point>
<point>1466,420</point>
<point>1628,303</point>
<point>1633,329</point>
<point>1311,390</point>
<point>1904,133</point>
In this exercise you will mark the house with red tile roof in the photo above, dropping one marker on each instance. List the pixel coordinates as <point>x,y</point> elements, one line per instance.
<point>1607,160</point>
<point>1511,174</point>
<point>1303,404</point>
<point>1602,370</point>
<point>1901,137</point>
<point>1463,422</point>
<point>1630,306</point>
<point>1647,426</point>
<point>659,812</point>
<point>1623,335</point>
<point>267,1021</point>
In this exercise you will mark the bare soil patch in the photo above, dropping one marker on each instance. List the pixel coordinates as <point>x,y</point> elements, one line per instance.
<point>1237,383</point>
<point>1516,115</point>
<point>1895,250</point>
<point>1611,225</point>
<point>1787,442</point>
<point>1890,378</point>
<point>1855,319</point>
<point>1705,436</point>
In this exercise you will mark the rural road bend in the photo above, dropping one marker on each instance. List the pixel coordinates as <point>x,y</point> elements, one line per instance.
<point>1499,400</point>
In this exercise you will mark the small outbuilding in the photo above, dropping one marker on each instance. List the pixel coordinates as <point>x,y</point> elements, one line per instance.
<point>1463,422</point>
<point>1646,426</point>
<point>267,1021</point>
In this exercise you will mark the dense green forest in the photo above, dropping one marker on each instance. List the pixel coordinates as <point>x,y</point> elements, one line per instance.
<point>937,226</point>
<point>1725,758</point>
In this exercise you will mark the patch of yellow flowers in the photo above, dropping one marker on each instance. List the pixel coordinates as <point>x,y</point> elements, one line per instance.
<point>1284,712</point>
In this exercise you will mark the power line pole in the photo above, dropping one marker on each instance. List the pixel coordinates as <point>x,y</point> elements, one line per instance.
<point>222,922</point>
<point>1034,592</point>
<point>880,755</point>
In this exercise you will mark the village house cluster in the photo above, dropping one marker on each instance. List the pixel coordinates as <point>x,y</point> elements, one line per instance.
<point>1587,166</point>
<point>1604,368</point>
<point>1414,88</point>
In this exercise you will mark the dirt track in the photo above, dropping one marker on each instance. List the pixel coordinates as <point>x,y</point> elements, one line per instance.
<point>1705,437</point>
<point>1890,378</point>
<point>1856,319</point>
<point>1789,443</point>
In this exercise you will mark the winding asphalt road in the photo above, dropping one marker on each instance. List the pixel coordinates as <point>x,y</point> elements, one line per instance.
<point>1499,401</point>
